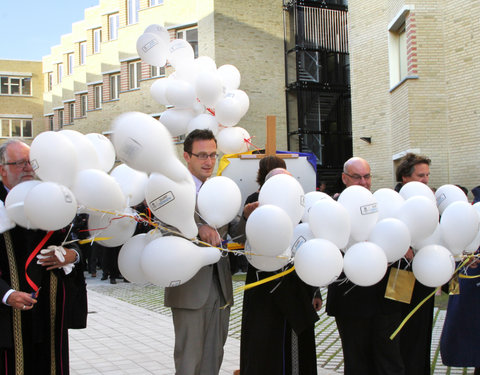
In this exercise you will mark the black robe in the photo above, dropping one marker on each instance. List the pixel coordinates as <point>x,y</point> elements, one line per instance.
<point>67,293</point>
<point>278,323</point>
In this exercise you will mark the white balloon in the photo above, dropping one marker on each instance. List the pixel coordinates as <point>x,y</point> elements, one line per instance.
<point>228,111</point>
<point>301,234</point>
<point>318,262</point>
<point>460,224</point>
<point>417,188</point>
<point>269,230</point>
<point>86,155</point>
<point>94,188</point>
<point>204,64</point>
<point>117,229</point>
<point>158,90</point>
<point>362,209</point>
<point>267,263</point>
<point>219,201</point>
<point>152,49</point>
<point>14,203</point>
<point>242,98</point>
<point>311,198</point>
<point>330,220</point>
<point>365,263</point>
<point>475,244</point>
<point>230,76</point>
<point>145,144</point>
<point>388,202</point>
<point>176,120</point>
<point>131,182</point>
<point>203,121</point>
<point>50,206</point>
<point>104,150</point>
<point>433,265</point>
<point>208,87</point>
<point>420,214</point>
<point>180,52</point>
<point>233,140</point>
<point>447,194</point>
<point>180,94</point>
<point>173,202</point>
<point>159,30</point>
<point>436,238</point>
<point>284,191</point>
<point>44,158</point>
<point>393,237</point>
<point>172,261</point>
<point>129,258</point>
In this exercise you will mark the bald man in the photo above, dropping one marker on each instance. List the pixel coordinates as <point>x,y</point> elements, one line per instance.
<point>365,318</point>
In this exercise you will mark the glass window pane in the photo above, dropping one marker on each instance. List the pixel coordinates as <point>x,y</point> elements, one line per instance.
<point>16,128</point>
<point>4,84</point>
<point>15,86</point>
<point>5,128</point>
<point>27,128</point>
<point>26,85</point>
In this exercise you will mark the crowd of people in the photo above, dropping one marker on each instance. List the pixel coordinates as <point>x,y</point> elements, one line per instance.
<point>42,299</point>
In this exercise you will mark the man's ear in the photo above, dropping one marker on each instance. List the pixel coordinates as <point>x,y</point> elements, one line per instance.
<point>343,179</point>
<point>186,156</point>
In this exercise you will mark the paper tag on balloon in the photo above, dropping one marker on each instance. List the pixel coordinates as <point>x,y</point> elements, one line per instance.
<point>369,209</point>
<point>400,285</point>
<point>162,200</point>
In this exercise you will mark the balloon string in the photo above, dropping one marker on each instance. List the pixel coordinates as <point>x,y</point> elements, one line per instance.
<point>266,280</point>
<point>249,142</point>
<point>402,324</point>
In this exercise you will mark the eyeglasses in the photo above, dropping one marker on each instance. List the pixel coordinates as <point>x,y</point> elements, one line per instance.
<point>357,177</point>
<point>19,163</point>
<point>205,156</point>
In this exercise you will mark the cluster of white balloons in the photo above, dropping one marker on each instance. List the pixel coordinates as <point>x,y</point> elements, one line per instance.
<point>201,95</point>
<point>373,231</point>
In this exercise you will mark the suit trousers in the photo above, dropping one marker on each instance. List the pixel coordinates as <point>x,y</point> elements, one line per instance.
<point>367,348</point>
<point>200,334</point>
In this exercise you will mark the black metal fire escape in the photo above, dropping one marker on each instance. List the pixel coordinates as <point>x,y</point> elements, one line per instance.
<point>318,83</point>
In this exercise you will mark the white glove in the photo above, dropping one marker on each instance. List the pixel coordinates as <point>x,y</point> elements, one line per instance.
<point>5,222</point>
<point>59,252</point>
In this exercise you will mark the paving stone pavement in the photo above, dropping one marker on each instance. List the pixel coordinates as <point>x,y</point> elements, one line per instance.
<point>131,332</point>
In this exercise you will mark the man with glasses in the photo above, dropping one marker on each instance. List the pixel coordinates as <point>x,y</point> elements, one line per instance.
<point>365,318</point>
<point>39,300</point>
<point>201,306</point>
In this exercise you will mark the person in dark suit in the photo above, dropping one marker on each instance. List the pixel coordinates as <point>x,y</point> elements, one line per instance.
<point>365,318</point>
<point>201,306</point>
<point>40,301</point>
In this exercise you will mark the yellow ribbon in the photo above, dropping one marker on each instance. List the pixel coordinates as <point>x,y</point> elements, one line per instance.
<point>266,280</point>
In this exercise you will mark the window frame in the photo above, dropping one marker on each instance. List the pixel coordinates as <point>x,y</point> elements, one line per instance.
<point>71,107</point>
<point>70,63</point>
<point>134,74</point>
<point>97,96</point>
<point>82,49</point>
<point>23,123</point>
<point>113,25</point>
<point>59,73</point>
<point>83,105</point>
<point>11,81</point>
<point>96,40</point>
<point>133,7</point>
<point>157,71</point>
<point>182,34</point>
<point>114,80</point>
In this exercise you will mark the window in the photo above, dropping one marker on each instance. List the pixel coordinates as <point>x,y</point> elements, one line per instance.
<point>83,105</point>
<point>70,62</point>
<point>11,85</point>
<point>134,74</point>
<point>133,7</point>
<point>156,2</point>
<point>50,123</point>
<point>97,39</point>
<point>157,71</point>
<point>114,86</point>
<point>83,53</point>
<point>113,26</point>
<point>16,128</point>
<point>60,118</point>
<point>49,81</point>
<point>71,112</point>
<point>191,36</point>
<point>59,72</point>
<point>397,46</point>
<point>97,96</point>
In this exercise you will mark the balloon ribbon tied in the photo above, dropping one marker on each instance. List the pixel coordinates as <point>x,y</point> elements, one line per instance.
<point>266,280</point>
